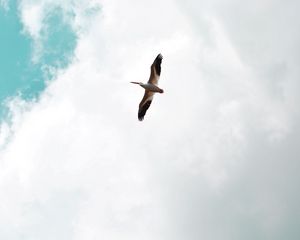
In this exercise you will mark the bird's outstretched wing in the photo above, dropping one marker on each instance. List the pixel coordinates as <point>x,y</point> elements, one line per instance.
<point>145,104</point>
<point>155,70</point>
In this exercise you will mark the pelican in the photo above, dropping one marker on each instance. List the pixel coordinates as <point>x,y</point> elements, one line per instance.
<point>150,87</point>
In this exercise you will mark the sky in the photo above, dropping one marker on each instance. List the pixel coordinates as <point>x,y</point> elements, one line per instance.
<point>217,154</point>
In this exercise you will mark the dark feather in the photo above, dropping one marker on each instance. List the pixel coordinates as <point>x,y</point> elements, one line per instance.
<point>143,109</point>
<point>157,64</point>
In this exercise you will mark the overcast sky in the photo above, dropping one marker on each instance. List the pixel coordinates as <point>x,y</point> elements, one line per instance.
<point>217,155</point>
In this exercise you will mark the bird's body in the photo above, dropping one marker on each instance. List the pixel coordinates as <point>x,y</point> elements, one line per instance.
<point>150,88</point>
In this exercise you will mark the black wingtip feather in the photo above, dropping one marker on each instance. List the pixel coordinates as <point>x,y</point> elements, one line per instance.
<point>143,110</point>
<point>157,64</point>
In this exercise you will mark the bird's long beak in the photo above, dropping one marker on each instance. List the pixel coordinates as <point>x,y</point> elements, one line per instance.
<point>135,82</point>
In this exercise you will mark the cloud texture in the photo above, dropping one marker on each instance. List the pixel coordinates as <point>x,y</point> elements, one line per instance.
<point>217,155</point>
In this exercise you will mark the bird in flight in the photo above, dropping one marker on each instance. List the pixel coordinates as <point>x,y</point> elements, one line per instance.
<point>150,87</point>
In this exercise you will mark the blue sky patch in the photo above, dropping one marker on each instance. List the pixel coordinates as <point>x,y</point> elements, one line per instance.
<point>18,74</point>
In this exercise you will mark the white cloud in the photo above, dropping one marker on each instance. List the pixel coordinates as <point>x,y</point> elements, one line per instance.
<point>32,18</point>
<point>216,156</point>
